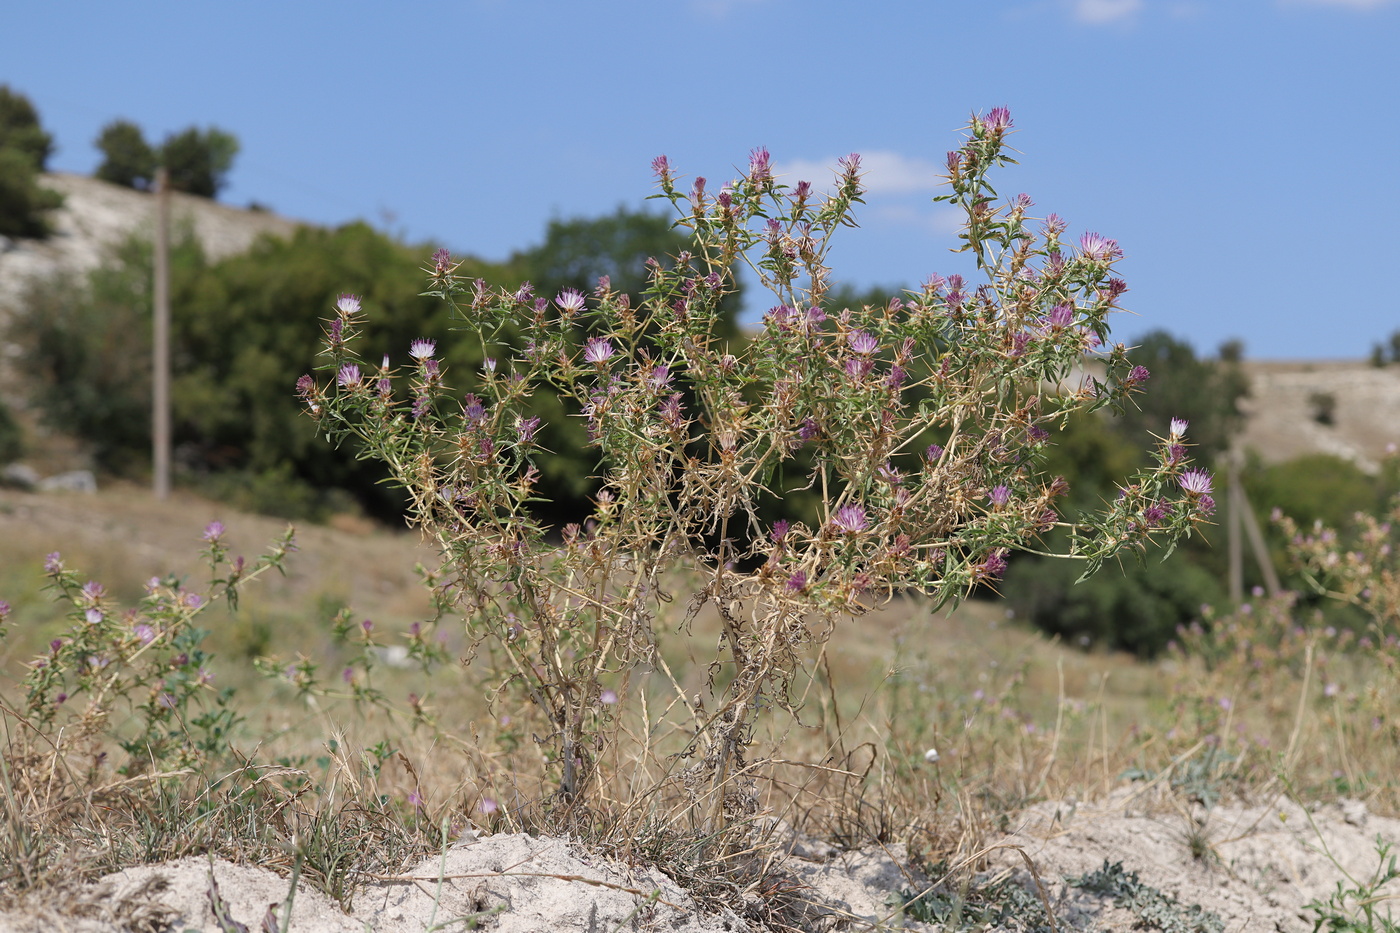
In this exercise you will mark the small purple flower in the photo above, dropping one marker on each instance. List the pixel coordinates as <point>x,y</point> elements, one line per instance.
<point>850,519</point>
<point>607,697</point>
<point>1196,482</point>
<point>525,428</point>
<point>598,350</point>
<point>1000,495</point>
<point>933,452</point>
<point>193,600</point>
<point>1155,514</point>
<point>850,165</point>
<point>1096,246</point>
<point>488,806</point>
<point>213,532</point>
<point>1178,428</point>
<point>473,410</point>
<point>4,611</point>
<point>1205,505</point>
<point>570,301</point>
<point>659,377</point>
<point>802,190</point>
<point>349,376</point>
<point>954,162</point>
<point>797,582</point>
<point>1062,315</point>
<point>896,377</point>
<point>1175,453</point>
<point>144,634</point>
<point>780,530</point>
<point>93,591</point>
<point>862,342</point>
<point>807,430</point>
<point>760,166</point>
<point>93,616</point>
<point>993,566</point>
<point>348,304</point>
<point>442,262</point>
<point>1138,375</point>
<point>998,121</point>
<point>661,167</point>
<point>422,349</point>
<point>1022,202</point>
<point>858,369</point>
<point>1054,225</point>
<point>305,386</point>
<point>348,675</point>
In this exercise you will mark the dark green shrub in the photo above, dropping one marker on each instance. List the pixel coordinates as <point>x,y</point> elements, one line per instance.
<point>127,159</point>
<point>11,436</point>
<point>24,150</point>
<point>199,160</point>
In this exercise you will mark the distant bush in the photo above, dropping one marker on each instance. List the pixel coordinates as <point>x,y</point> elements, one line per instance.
<point>24,151</point>
<point>11,436</point>
<point>198,160</point>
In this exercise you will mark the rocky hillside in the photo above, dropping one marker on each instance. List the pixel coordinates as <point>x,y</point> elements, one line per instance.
<point>96,214</point>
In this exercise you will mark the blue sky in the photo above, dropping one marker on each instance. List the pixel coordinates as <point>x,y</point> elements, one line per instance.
<point>1244,153</point>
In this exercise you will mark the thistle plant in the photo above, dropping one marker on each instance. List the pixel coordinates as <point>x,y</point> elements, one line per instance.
<point>919,427</point>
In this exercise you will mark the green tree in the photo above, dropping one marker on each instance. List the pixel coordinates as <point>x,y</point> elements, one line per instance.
<point>127,158</point>
<point>199,160</point>
<point>24,151</point>
<point>20,129</point>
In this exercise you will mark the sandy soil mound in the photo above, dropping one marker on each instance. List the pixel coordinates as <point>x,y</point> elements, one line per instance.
<point>1238,868</point>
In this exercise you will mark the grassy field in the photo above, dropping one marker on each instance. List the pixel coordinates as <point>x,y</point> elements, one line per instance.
<point>371,767</point>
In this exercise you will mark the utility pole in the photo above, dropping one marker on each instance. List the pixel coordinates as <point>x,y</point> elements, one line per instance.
<point>160,364</point>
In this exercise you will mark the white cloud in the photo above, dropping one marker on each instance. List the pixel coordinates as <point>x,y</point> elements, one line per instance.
<point>1104,11</point>
<point>940,221</point>
<point>882,171</point>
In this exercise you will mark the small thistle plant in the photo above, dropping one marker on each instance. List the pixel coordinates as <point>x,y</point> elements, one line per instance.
<point>921,428</point>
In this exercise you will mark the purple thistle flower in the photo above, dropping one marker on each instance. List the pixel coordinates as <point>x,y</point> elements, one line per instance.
<point>526,428</point>
<point>144,634</point>
<point>998,121</point>
<point>1138,375</point>
<point>1062,315</point>
<point>422,349</point>
<point>807,430</point>
<point>802,190</point>
<point>993,566</point>
<point>862,342</point>
<point>1037,433</point>
<point>420,406</point>
<point>213,531</point>
<point>659,377</point>
<point>850,519</point>
<point>760,166</point>
<point>1178,428</point>
<point>597,350</point>
<point>671,410</point>
<point>348,305</point>
<point>797,582</point>
<point>661,167</point>
<point>349,376</point>
<point>697,192</point>
<point>1000,495</point>
<point>1205,504</point>
<point>93,591</point>
<point>1156,513</point>
<point>607,697</point>
<point>473,409</point>
<point>1175,453</point>
<point>858,369</point>
<point>337,329</point>
<point>1054,225</point>
<point>933,452</point>
<point>954,162</point>
<point>1095,246</point>
<point>1196,482</point>
<point>850,165</point>
<point>305,386</point>
<point>93,616</point>
<point>1022,202</point>
<point>488,806</point>
<point>194,600</point>
<point>442,262</point>
<point>570,301</point>
<point>896,377</point>
<point>780,530</point>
